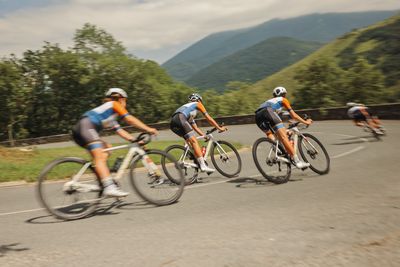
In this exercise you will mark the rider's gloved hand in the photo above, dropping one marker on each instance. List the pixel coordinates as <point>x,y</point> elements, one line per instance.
<point>309,121</point>
<point>152,131</point>
<point>222,129</point>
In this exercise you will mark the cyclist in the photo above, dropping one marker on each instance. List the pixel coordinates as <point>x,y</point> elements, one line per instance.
<point>184,125</point>
<point>359,113</point>
<point>86,134</point>
<point>270,123</point>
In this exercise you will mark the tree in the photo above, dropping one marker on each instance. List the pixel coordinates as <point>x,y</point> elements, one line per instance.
<point>365,84</point>
<point>322,83</point>
<point>13,100</point>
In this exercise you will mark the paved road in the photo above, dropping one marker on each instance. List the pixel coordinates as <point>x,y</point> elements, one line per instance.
<point>349,217</point>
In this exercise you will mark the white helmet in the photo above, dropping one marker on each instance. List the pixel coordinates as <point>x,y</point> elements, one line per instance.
<point>279,91</point>
<point>195,97</point>
<point>116,91</point>
<point>351,104</point>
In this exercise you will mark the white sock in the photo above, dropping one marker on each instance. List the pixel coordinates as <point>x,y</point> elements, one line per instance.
<point>107,181</point>
<point>296,158</point>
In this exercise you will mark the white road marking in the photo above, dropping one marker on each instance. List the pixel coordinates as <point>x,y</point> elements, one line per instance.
<point>348,152</point>
<point>21,211</point>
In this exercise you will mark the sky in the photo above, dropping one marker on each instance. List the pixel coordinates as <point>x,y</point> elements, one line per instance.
<point>151,29</point>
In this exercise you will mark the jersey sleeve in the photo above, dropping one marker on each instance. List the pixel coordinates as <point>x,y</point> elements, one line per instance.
<point>286,104</point>
<point>120,110</point>
<point>201,108</point>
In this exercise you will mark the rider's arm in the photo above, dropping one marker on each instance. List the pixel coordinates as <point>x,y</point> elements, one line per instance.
<point>124,134</point>
<point>139,124</point>
<point>131,120</point>
<point>196,128</point>
<point>293,114</point>
<point>210,120</point>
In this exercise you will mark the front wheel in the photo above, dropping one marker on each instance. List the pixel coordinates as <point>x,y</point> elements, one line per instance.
<point>226,159</point>
<point>265,157</point>
<point>69,188</point>
<point>313,152</point>
<point>150,181</point>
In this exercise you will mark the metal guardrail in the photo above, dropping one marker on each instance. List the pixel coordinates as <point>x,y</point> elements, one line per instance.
<point>389,111</point>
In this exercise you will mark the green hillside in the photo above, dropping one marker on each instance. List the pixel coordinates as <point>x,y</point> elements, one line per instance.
<point>362,65</point>
<point>314,27</point>
<point>252,64</point>
<point>378,45</point>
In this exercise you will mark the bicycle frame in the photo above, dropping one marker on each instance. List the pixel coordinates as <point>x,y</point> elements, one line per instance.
<point>210,141</point>
<point>134,151</point>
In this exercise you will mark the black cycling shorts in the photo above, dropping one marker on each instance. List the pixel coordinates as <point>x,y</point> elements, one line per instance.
<point>267,119</point>
<point>181,126</point>
<point>359,116</point>
<point>85,133</point>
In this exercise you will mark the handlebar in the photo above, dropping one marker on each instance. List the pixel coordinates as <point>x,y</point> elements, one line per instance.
<point>294,124</point>
<point>213,129</point>
<point>145,138</point>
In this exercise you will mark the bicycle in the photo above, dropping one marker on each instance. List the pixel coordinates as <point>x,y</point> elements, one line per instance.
<point>224,157</point>
<point>376,132</point>
<point>274,163</point>
<point>79,191</point>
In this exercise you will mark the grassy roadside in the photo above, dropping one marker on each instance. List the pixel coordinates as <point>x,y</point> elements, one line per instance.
<point>17,165</point>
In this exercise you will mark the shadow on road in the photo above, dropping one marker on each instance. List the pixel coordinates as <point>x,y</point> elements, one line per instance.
<point>4,249</point>
<point>356,140</point>
<point>104,209</point>
<point>246,182</point>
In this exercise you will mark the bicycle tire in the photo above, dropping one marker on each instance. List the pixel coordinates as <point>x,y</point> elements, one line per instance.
<point>179,150</point>
<point>311,154</point>
<point>71,212</point>
<point>214,149</point>
<point>256,152</point>
<point>148,191</point>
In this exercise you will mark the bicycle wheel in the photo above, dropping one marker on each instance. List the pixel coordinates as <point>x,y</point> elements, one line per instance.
<point>264,156</point>
<point>64,198</point>
<point>185,160</point>
<point>313,152</point>
<point>154,186</point>
<point>226,159</point>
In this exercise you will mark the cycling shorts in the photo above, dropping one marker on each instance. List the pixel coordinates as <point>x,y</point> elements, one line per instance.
<point>357,115</point>
<point>267,119</point>
<point>181,126</point>
<point>84,133</point>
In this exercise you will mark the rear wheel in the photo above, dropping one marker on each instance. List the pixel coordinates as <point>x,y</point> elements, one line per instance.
<point>186,160</point>
<point>313,152</point>
<point>64,198</point>
<point>264,156</point>
<point>154,185</point>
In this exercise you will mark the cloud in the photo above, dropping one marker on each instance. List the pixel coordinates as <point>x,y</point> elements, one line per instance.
<point>158,27</point>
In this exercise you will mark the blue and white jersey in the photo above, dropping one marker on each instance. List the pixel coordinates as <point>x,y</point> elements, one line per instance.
<point>106,115</point>
<point>190,109</point>
<point>276,103</point>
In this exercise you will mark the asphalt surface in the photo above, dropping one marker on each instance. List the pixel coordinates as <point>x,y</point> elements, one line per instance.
<point>349,217</point>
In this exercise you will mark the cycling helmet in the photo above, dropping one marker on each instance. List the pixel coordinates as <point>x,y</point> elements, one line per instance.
<point>116,91</point>
<point>279,91</point>
<point>351,104</point>
<point>195,97</point>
